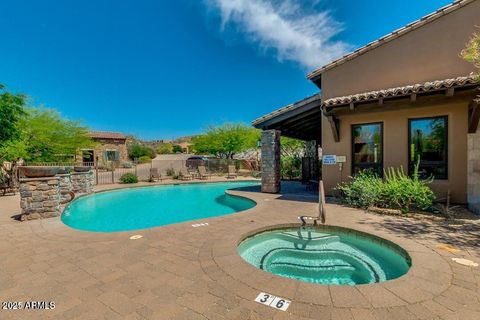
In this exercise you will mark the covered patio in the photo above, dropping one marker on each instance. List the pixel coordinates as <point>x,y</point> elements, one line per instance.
<point>301,120</point>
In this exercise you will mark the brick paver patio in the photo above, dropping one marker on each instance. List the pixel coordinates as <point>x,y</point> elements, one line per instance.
<point>181,272</point>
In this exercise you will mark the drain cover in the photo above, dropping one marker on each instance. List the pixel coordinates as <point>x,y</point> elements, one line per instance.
<point>448,248</point>
<point>465,262</point>
<point>136,237</point>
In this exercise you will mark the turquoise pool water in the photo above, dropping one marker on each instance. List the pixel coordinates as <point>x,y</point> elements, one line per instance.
<point>328,256</point>
<point>140,208</point>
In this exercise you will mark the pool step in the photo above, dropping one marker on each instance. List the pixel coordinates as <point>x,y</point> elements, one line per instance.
<point>323,265</point>
<point>307,239</point>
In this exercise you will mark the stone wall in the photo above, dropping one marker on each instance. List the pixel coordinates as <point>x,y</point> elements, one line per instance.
<point>65,187</point>
<point>105,144</point>
<point>271,161</point>
<point>473,167</point>
<point>40,197</point>
<point>82,182</point>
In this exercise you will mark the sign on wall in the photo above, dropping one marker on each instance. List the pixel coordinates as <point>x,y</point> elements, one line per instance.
<point>329,159</point>
<point>341,159</point>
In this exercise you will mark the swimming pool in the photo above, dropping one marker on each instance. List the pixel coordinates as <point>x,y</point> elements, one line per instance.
<point>145,207</point>
<point>325,255</point>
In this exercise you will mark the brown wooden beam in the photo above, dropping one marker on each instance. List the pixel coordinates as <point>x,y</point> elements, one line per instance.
<point>413,97</point>
<point>380,101</point>
<point>335,126</point>
<point>306,122</point>
<point>473,116</point>
<point>300,117</point>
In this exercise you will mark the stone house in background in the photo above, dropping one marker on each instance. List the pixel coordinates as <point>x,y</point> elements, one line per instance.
<point>109,147</point>
<point>403,98</point>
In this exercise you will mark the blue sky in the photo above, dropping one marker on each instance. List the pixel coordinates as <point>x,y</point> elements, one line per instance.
<point>164,69</point>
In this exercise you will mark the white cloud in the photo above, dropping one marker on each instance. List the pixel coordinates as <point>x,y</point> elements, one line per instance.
<point>294,32</point>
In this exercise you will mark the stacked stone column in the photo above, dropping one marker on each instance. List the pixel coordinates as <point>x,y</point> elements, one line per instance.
<point>82,182</point>
<point>40,197</point>
<point>271,161</point>
<point>473,169</point>
<point>65,187</point>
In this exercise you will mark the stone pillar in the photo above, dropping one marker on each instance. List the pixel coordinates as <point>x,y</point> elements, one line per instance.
<point>65,187</point>
<point>473,169</point>
<point>82,182</point>
<point>39,197</point>
<point>271,161</point>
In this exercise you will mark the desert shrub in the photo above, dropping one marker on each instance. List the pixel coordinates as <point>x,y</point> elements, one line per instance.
<point>170,172</point>
<point>126,164</point>
<point>363,191</point>
<point>395,191</point>
<point>144,159</point>
<point>128,178</point>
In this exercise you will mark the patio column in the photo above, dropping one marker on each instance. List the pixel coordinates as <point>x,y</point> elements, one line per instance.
<point>271,161</point>
<point>473,169</point>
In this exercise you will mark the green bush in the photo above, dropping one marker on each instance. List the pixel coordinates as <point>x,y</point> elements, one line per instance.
<point>144,159</point>
<point>136,151</point>
<point>128,178</point>
<point>395,191</point>
<point>291,167</point>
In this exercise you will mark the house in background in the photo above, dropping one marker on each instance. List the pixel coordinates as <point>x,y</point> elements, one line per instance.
<point>403,98</point>
<point>110,147</point>
<point>185,146</point>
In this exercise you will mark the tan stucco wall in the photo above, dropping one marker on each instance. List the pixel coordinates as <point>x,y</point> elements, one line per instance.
<point>430,52</point>
<point>395,134</point>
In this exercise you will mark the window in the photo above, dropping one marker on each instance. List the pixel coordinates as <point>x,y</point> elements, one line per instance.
<point>367,147</point>
<point>112,155</point>
<point>428,143</point>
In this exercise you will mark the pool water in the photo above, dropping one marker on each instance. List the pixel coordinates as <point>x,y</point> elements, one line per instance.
<point>328,256</point>
<point>139,208</point>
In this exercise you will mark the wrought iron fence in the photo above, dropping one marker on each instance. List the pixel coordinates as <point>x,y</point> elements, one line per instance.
<point>107,173</point>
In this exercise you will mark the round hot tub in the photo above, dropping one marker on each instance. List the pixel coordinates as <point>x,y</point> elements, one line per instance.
<point>325,255</point>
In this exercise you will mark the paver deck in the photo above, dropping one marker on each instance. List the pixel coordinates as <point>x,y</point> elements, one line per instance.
<point>181,272</point>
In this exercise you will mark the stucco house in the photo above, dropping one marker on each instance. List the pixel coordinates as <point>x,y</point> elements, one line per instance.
<point>109,147</point>
<point>406,97</point>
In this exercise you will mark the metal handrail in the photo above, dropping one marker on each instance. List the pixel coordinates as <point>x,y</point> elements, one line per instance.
<point>321,208</point>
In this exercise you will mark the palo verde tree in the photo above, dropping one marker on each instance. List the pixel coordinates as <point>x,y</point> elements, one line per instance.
<point>46,136</point>
<point>225,140</point>
<point>37,134</point>
<point>471,53</point>
<point>165,148</point>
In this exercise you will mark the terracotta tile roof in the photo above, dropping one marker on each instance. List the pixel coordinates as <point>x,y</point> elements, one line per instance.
<point>106,135</point>
<point>287,108</point>
<point>391,36</point>
<point>401,91</point>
